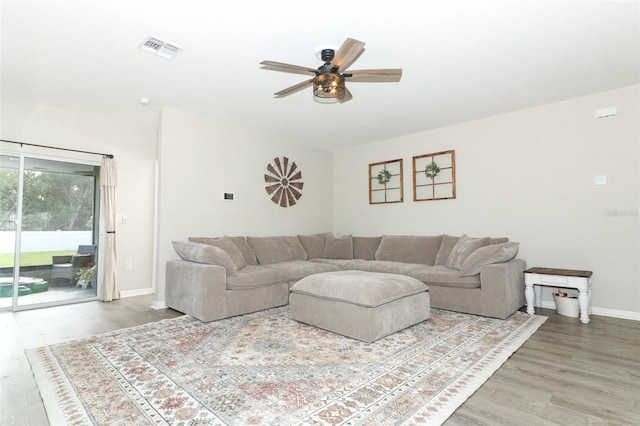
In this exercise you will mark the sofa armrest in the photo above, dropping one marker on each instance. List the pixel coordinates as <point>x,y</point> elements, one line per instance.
<point>196,289</point>
<point>503,285</point>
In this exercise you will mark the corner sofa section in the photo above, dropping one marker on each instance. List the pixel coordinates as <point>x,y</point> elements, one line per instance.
<point>222,277</point>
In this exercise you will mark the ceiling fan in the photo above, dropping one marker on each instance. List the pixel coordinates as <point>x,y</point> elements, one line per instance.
<point>329,79</point>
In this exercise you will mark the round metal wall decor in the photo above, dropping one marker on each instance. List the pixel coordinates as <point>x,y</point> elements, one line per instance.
<point>284,182</point>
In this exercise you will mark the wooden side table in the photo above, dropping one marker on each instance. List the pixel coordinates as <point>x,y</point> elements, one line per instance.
<point>534,278</point>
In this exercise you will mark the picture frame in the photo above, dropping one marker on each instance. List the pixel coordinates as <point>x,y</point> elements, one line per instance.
<point>434,176</point>
<point>386,183</point>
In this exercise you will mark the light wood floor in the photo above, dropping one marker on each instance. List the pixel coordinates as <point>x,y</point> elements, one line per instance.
<point>566,374</point>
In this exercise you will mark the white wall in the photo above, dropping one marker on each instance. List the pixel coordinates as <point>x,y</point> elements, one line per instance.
<point>528,175</point>
<point>134,151</point>
<point>201,158</point>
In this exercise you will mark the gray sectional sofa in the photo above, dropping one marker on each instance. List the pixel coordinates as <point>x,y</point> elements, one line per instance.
<point>221,277</point>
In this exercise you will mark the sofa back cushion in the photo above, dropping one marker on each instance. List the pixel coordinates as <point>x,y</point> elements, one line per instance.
<point>338,248</point>
<point>314,244</point>
<point>499,240</point>
<point>493,253</point>
<point>205,253</point>
<point>409,249</point>
<point>277,249</point>
<point>365,247</point>
<point>226,244</point>
<point>463,248</point>
<point>448,243</point>
<point>243,246</point>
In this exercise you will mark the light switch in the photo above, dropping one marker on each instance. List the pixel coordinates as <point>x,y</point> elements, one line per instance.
<point>601,180</point>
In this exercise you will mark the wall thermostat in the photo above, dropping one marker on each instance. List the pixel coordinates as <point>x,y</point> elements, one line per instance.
<point>228,195</point>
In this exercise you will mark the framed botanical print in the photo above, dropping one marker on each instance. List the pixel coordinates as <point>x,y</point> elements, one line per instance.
<point>434,176</point>
<point>385,182</point>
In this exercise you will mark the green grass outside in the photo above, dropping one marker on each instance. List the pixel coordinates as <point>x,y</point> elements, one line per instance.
<point>32,258</point>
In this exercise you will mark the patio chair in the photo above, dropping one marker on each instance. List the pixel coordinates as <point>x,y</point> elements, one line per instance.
<point>66,267</point>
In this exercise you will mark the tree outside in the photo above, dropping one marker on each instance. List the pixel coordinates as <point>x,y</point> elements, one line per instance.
<point>51,201</point>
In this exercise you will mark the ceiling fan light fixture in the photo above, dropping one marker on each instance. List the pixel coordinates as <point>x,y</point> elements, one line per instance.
<point>328,88</point>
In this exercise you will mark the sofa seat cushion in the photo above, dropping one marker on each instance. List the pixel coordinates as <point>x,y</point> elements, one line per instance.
<point>254,276</point>
<point>382,266</point>
<point>409,249</point>
<point>444,276</point>
<point>296,269</point>
<point>340,263</point>
<point>277,249</point>
<point>359,287</point>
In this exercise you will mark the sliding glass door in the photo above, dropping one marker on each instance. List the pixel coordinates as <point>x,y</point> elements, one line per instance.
<point>49,231</point>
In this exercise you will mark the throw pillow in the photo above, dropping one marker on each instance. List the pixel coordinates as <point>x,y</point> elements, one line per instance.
<point>365,247</point>
<point>205,253</point>
<point>226,244</point>
<point>448,243</point>
<point>409,248</point>
<point>277,249</point>
<point>463,248</point>
<point>338,248</point>
<point>313,244</point>
<point>494,253</point>
<point>243,246</point>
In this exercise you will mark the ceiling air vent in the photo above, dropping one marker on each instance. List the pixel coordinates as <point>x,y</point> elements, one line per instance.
<point>160,48</point>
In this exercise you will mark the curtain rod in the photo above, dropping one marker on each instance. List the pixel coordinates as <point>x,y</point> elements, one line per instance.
<point>55,147</point>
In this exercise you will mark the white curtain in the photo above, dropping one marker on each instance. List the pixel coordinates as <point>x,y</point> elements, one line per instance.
<point>109,182</point>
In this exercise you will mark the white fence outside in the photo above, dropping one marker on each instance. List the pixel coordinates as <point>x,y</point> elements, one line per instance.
<point>45,240</point>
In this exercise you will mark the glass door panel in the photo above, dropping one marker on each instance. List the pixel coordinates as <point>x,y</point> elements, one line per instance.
<point>9,181</point>
<point>56,227</point>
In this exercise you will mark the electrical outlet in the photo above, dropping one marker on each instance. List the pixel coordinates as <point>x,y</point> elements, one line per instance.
<point>127,264</point>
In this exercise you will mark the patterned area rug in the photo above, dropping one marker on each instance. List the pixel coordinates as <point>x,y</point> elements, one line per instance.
<point>265,368</point>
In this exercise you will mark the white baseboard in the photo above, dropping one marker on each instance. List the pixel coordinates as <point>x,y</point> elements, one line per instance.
<point>136,292</point>
<point>159,304</point>
<point>614,313</point>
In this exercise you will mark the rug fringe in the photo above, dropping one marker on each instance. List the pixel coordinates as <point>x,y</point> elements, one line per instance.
<point>61,402</point>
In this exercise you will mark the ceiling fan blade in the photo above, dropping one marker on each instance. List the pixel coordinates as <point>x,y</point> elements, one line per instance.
<point>280,66</point>
<point>293,89</point>
<point>347,54</point>
<point>347,96</point>
<point>380,75</point>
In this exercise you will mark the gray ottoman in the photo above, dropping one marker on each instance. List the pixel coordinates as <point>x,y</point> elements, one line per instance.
<point>364,305</point>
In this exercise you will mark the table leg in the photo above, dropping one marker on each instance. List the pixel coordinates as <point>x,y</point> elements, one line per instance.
<point>528,295</point>
<point>583,300</point>
<point>538,290</point>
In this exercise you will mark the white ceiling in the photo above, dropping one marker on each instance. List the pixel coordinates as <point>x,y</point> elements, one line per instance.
<point>461,60</point>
